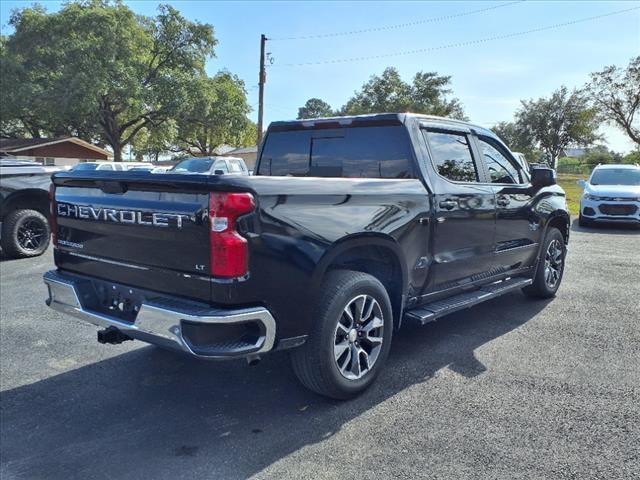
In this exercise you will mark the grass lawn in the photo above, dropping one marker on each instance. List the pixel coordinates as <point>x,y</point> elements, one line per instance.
<point>568,182</point>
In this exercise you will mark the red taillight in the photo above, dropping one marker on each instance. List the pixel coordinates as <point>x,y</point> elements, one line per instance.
<point>53,219</point>
<point>229,251</point>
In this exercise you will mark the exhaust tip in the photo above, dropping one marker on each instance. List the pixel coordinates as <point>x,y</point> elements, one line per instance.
<point>253,360</point>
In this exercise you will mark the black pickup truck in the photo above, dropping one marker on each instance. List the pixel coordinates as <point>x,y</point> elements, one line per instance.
<point>351,227</point>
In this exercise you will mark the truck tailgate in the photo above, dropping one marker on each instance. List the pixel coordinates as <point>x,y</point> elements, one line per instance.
<point>131,227</point>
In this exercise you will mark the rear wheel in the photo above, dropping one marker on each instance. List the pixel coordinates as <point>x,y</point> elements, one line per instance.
<point>25,233</point>
<point>550,266</point>
<point>350,337</point>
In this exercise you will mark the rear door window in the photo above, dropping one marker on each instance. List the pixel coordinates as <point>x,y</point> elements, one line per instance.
<point>359,152</point>
<point>452,157</point>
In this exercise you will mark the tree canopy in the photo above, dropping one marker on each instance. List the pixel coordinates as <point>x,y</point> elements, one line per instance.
<point>214,113</point>
<point>389,93</point>
<point>557,122</point>
<point>616,93</point>
<point>96,69</point>
<point>428,93</point>
<point>315,108</point>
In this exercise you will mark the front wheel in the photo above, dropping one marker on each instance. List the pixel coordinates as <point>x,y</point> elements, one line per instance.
<point>550,266</point>
<point>350,336</point>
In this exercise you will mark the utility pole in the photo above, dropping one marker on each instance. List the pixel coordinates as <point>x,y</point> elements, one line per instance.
<point>263,78</point>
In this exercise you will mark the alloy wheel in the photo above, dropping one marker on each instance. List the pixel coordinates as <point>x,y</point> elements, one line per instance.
<point>31,234</point>
<point>553,263</point>
<point>358,337</point>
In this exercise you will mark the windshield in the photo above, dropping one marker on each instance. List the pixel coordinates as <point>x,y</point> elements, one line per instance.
<point>616,176</point>
<point>194,165</point>
<point>85,166</point>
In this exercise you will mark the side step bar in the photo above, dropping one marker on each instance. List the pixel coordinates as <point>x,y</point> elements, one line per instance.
<point>432,311</point>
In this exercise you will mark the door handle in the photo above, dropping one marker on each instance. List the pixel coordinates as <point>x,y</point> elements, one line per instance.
<point>448,204</point>
<point>503,201</point>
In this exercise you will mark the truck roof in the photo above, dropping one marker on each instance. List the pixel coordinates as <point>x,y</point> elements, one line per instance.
<point>373,119</point>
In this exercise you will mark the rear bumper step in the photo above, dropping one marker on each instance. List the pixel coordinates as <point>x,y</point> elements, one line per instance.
<point>195,329</point>
<point>432,311</point>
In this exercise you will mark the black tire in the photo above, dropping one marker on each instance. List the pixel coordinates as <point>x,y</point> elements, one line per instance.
<point>584,222</point>
<point>314,363</point>
<point>542,287</point>
<point>25,233</point>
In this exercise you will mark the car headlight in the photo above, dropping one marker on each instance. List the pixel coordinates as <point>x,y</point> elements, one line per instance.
<point>588,196</point>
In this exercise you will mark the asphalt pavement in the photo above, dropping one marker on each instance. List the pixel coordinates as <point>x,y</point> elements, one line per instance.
<point>513,388</point>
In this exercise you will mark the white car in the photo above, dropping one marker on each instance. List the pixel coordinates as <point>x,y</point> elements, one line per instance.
<point>612,194</point>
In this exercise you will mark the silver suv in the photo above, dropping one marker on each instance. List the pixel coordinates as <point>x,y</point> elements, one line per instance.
<point>612,194</point>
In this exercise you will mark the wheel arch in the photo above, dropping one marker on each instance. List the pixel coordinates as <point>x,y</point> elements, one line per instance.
<point>375,254</point>
<point>562,221</point>
<point>29,198</point>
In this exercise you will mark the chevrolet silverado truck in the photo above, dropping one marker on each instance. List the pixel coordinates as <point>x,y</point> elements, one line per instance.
<point>350,228</point>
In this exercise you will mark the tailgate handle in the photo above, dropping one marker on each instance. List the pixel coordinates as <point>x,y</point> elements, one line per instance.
<point>111,186</point>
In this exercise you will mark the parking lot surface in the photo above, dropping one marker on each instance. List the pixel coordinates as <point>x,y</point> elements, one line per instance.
<point>513,388</point>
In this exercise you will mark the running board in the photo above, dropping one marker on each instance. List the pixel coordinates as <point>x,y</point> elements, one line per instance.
<point>432,311</point>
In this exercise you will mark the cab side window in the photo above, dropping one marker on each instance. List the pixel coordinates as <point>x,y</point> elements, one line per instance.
<point>220,165</point>
<point>500,168</point>
<point>452,157</point>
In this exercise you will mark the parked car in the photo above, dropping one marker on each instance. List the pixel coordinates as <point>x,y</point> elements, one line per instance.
<point>350,228</point>
<point>611,195</point>
<point>212,166</point>
<point>24,207</point>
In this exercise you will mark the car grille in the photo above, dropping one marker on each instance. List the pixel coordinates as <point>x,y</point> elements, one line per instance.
<point>618,209</point>
<point>614,199</point>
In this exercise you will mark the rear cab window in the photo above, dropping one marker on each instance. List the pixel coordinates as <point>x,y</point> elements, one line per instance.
<point>352,152</point>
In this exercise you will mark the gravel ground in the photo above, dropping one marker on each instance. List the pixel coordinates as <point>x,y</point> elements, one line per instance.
<point>513,388</point>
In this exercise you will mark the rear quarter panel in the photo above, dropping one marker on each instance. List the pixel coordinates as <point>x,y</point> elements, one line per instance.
<point>301,222</point>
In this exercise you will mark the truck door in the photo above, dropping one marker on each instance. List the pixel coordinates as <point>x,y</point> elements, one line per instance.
<point>464,211</point>
<point>517,228</point>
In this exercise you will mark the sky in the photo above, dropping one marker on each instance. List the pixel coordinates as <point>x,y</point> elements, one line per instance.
<point>490,77</point>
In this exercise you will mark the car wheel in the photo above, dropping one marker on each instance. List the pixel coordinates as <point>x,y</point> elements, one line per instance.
<point>350,336</point>
<point>550,268</point>
<point>25,233</point>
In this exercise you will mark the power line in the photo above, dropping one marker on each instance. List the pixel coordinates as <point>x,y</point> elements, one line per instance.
<point>399,25</point>
<point>457,44</point>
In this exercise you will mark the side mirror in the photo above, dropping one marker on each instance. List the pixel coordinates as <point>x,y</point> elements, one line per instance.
<point>581,183</point>
<point>543,177</point>
<point>218,172</point>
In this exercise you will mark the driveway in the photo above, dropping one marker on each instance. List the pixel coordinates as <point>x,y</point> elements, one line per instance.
<point>513,388</point>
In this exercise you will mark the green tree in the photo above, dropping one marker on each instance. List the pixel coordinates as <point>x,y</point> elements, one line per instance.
<point>153,142</point>
<point>214,114</point>
<point>616,93</point>
<point>315,108</point>
<point>428,94</point>
<point>559,121</point>
<point>518,140</point>
<point>99,68</point>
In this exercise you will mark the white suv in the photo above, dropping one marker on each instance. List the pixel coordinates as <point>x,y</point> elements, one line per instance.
<point>612,194</point>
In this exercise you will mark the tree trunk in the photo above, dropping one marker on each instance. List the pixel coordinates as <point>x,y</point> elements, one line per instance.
<point>117,152</point>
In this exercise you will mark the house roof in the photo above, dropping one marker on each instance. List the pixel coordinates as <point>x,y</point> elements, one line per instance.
<point>16,145</point>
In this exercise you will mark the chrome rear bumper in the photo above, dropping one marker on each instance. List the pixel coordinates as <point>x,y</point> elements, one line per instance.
<point>166,321</point>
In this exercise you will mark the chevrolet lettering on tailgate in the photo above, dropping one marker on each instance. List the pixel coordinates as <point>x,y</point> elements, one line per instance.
<point>134,217</point>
